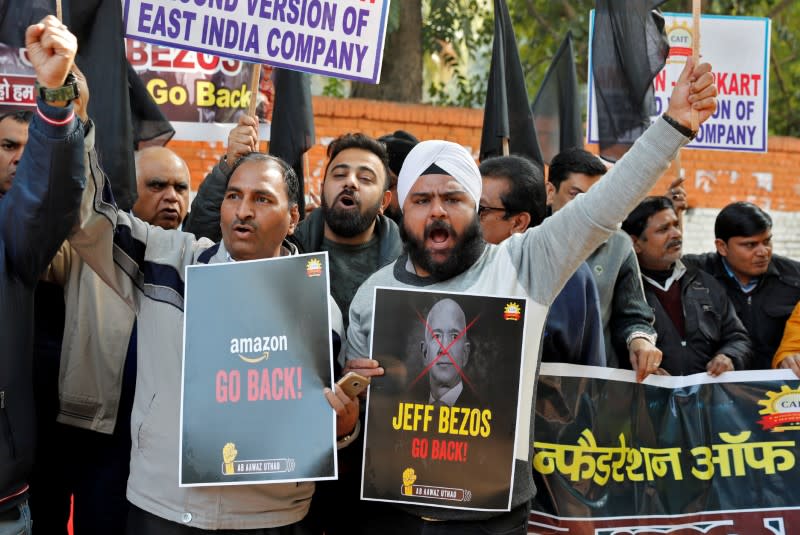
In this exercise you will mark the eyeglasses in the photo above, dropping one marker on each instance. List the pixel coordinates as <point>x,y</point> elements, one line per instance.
<point>484,210</point>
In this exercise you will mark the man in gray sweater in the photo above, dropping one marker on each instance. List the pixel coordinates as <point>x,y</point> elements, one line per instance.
<point>439,189</point>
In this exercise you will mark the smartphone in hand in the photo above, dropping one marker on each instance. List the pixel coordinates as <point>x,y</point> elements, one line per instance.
<point>353,384</point>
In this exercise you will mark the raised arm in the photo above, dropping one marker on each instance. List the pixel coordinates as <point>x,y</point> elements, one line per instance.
<point>39,210</point>
<point>564,240</point>
<point>203,218</point>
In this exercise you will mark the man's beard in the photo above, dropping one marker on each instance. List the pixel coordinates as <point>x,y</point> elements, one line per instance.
<point>465,253</point>
<point>346,223</point>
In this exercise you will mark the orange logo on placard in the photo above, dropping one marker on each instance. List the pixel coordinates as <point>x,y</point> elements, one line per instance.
<point>781,410</point>
<point>679,37</point>
<point>314,268</point>
<point>512,312</point>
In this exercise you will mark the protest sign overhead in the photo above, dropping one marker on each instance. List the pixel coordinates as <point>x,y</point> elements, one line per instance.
<point>738,48</point>
<point>341,38</point>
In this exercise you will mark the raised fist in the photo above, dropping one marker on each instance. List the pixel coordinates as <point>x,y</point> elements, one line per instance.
<point>51,50</point>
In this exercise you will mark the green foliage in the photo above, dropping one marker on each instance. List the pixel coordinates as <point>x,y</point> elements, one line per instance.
<point>459,34</point>
<point>393,21</point>
<point>541,25</point>
<point>334,87</point>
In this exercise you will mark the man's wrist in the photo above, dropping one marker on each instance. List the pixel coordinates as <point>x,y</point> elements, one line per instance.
<point>677,125</point>
<point>640,334</point>
<point>344,441</point>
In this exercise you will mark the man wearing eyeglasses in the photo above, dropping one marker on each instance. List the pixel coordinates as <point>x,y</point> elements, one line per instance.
<point>512,201</point>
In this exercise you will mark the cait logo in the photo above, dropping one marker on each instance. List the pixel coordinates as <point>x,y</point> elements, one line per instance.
<point>257,349</point>
<point>313,268</point>
<point>781,410</point>
<point>512,312</point>
<point>679,37</point>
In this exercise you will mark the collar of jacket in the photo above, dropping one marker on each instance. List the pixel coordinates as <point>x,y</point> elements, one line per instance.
<point>219,255</point>
<point>721,273</point>
<point>310,232</point>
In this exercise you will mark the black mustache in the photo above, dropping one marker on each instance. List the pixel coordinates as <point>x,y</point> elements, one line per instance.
<point>439,225</point>
<point>350,193</point>
<point>240,223</point>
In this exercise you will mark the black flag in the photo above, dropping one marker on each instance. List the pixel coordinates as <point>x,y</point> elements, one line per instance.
<point>292,129</point>
<point>507,113</point>
<point>16,16</point>
<point>629,48</point>
<point>557,108</point>
<point>119,102</point>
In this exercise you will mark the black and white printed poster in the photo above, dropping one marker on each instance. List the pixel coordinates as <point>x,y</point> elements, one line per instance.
<point>257,356</point>
<point>441,422</point>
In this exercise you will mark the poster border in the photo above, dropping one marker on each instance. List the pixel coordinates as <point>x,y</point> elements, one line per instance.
<point>516,412</point>
<point>181,484</point>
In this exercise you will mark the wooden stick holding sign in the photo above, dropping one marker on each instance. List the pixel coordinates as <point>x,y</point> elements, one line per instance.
<point>505,147</point>
<point>696,9</point>
<point>255,82</point>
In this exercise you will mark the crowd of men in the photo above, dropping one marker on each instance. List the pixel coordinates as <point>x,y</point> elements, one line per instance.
<point>94,368</point>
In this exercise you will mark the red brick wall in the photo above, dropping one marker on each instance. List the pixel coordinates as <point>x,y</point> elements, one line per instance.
<point>714,178</point>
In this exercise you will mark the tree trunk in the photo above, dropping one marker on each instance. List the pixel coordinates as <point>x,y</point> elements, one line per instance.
<point>401,75</point>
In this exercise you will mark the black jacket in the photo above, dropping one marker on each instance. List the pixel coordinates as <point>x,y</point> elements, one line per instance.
<point>203,219</point>
<point>35,216</point>
<point>310,232</point>
<point>710,324</point>
<point>763,311</point>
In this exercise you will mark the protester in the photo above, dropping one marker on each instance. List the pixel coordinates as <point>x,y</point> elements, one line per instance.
<point>788,354</point>
<point>349,225</point>
<point>145,266</point>
<point>698,330</point>
<point>627,319</point>
<point>36,214</point>
<point>512,201</point>
<point>89,386</point>
<point>439,190</point>
<point>398,145</point>
<point>13,137</point>
<point>764,288</point>
<point>162,185</point>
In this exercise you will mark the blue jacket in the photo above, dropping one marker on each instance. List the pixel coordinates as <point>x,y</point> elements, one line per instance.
<point>573,333</point>
<point>36,215</point>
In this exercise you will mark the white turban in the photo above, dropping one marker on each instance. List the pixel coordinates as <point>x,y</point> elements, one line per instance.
<point>450,157</point>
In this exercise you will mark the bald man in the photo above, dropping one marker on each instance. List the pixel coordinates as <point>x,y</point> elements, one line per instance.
<point>162,182</point>
<point>446,322</point>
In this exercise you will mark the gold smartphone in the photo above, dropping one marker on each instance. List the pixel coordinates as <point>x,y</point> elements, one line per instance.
<point>353,384</point>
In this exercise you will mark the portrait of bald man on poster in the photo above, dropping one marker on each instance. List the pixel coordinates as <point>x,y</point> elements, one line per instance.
<point>447,404</point>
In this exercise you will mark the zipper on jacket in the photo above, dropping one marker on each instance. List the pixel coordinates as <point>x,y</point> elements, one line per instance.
<point>2,399</point>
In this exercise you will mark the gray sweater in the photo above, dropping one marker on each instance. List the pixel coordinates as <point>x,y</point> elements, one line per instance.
<point>534,266</point>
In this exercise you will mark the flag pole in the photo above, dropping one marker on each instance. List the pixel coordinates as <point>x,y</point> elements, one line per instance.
<point>696,9</point>
<point>59,11</point>
<point>505,147</point>
<point>255,78</point>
